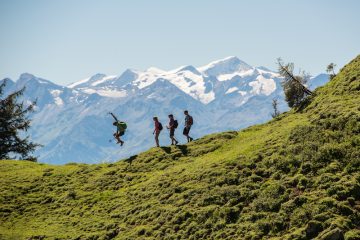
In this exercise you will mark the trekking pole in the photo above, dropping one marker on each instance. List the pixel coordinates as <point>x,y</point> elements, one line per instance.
<point>113,116</point>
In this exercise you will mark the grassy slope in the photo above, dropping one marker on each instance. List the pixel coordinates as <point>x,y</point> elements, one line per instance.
<point>296,177</point>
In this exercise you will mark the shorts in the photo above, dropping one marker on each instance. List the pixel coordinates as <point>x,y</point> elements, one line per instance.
<point>186,130</point>
<point>119,134</point>
<point>172,132</point>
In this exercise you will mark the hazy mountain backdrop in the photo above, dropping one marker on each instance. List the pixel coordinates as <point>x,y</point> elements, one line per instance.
<point>73,124</point>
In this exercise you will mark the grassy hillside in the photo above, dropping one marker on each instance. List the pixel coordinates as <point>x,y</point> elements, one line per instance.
<point>295,177</point>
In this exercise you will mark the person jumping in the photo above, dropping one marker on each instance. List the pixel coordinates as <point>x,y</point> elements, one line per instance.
<point>120,129</point>
<point>173,124</point>
<point>157,130</point>
<point>188,123</point>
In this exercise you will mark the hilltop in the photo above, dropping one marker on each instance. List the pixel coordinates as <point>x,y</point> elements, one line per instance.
<point>295,177</point>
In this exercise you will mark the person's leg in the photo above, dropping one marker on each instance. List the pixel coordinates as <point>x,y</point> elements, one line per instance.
<point>121,141</point>
<point>172,136</point>
<point>157,139</point>
<point>117,137</point>
<point>173,141</point>
<point>188,132</point>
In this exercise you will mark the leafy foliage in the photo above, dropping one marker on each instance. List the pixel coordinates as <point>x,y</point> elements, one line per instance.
<point>294,86</point>
<point>13,120</point>
<point>295,177</point>
<point>330,69</point>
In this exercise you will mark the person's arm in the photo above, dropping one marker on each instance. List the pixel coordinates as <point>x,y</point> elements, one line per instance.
<point>171,124</point>
<point>156,127</point>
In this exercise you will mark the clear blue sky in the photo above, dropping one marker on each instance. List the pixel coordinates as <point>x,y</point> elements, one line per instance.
<point>68,40</point>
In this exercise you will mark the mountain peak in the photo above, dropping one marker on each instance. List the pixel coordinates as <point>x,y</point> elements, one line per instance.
<point>226,65</point>
<point>26,77</point>
<point>97,77</point>
<point>189,68</point>
<point>155,70</point>
<point>87,81</point>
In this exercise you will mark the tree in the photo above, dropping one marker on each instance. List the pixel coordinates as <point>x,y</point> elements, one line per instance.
<point>294,86</point>
<point>275,104</point>
<point>13,122</point>
<point>330,69</point>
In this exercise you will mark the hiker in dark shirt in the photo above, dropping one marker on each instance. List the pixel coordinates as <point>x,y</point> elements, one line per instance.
<point>157,129</point>
<point>173,124</point>
<point>120,129</point>
<point>188,123</point>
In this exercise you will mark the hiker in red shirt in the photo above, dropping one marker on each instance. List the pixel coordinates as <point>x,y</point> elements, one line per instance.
<point>157,130</point>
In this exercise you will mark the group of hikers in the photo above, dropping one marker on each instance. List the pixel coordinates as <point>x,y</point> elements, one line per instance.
<point>158,127</point>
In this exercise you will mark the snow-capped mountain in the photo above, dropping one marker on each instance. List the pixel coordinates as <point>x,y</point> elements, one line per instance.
<point>201,83</point>
<point>73,123</point>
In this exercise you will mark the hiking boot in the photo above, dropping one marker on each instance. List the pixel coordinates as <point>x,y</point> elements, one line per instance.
<point>191,139</point>
<point>121,143</point>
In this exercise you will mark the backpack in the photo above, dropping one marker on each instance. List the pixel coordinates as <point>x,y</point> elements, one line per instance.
<point>123,125</point>
<point>160,126</point>
<point>191,121</point>
<point>176,124</point>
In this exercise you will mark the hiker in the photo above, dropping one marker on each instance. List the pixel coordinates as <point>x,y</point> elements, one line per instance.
<point>173,124</point>
<point>188,123</point>
<point>120,129</point>
<point>157,130</point>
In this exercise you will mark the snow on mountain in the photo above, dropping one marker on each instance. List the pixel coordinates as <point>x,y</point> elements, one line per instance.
<point>100,84</point>
<point>263,85</point>
<point>73,122</point>
<point>225,66</point>
<point>91,81</point>
<point>199,83</point>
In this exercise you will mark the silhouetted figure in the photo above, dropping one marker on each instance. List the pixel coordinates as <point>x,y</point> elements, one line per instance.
<point>120,129</point>
<point>173,124</point>
<point>188,123</point>
<point>157,129</point>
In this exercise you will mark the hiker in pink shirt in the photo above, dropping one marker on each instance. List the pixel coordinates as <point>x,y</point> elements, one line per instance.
<point>157,130</point>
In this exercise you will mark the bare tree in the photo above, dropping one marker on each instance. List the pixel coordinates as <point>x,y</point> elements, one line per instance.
<point>275,104</point>
<point>330,69</point>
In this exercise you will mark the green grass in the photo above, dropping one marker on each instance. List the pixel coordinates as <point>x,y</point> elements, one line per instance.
<point>295,177</point>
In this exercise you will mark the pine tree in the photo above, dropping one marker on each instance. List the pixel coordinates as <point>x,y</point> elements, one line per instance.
<point>294,86</point>
<point>13,122</point>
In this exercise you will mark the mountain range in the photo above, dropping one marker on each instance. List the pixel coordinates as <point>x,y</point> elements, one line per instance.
<point>73,125</point>
<point>295,177</point>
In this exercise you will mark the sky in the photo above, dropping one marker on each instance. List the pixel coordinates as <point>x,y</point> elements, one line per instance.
<point>65,40</point>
